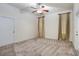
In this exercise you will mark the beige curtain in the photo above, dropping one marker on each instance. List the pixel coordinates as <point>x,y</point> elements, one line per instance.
<point>64,26</point>
<point>41,27</point>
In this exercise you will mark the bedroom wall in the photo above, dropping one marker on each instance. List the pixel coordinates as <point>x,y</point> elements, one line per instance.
<point>52,24</point>
<point>25,23</point>
<point>76,26</point>
<point>26,27</point>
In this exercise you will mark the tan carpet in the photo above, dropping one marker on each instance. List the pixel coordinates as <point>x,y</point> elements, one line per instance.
<point>39,47</point>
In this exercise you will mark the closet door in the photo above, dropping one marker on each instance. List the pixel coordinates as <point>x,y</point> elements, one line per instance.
<point>6,31</point>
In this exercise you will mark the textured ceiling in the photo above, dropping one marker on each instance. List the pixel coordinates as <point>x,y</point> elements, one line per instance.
<point>55,7</point>
<point>61,5</point>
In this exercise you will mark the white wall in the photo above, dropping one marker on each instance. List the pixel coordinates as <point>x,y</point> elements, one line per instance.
<point>52,24</point>
<point>25,24</point>
<point>76,26</point>
<point>26,27</point>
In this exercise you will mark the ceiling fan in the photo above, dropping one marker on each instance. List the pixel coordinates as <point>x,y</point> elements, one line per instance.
<point>40,8</point>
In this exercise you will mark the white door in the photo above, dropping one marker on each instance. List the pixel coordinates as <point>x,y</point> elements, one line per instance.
<point>6,30</point>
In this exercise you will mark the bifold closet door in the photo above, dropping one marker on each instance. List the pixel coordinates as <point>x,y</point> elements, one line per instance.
<point>64,26</point>
<point>6,30</point>
<point>41,27</point>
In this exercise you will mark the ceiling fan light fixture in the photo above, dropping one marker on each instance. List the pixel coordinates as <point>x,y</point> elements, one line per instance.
<point>39,11</point>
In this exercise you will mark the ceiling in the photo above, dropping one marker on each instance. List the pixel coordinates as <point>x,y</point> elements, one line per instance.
<point>54,6</point>
<point>61,5</point>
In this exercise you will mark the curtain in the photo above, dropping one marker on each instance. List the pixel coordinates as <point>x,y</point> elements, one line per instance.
<point>64,26</point>
<point>41,27</point>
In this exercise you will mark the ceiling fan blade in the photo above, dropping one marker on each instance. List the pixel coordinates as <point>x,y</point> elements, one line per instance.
<point>34,11</point>
<point>46,10</point>
<point>33,7</point>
